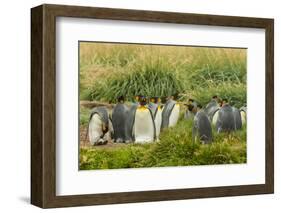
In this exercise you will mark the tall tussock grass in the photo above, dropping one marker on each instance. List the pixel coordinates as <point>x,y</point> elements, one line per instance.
<point>150,79</point>
<point>111,70</point>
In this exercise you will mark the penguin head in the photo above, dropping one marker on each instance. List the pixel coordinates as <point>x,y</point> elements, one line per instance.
<point>137,97</point>
<point>191,105</point>
<point>190,101</point>
<point>175,96</point>
<point>155,100</point>
<point>164,99</point>
<point>223,102</point>
<point>121,99</point>
<point>142,100</point>
<point>215,97</point>
<point>199,107</point>
<point>152,100</point>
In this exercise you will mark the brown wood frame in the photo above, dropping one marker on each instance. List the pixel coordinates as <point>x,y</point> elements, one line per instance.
<point>43,105</point>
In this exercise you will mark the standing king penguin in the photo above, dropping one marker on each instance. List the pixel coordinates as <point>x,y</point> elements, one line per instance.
<point>226,120</point>
<point>170,113</point>
<point>201,126</point>
<point>130,119</point>
<point>144,127</point>
<point>119,115</point>
<point>212,109</point>
<point>189,114</point>
<point>100,127</point>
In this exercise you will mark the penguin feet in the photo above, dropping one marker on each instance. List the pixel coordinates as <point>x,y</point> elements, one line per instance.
<point>119,140</point>
<point>116,140</point>
<point>101,142</point>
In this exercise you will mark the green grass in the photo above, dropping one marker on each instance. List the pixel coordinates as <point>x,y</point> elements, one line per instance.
<point>175,148</point>
<point>110,70</point>
<point>84,116</point>
<point>235,93</point>
<point>153,80</point>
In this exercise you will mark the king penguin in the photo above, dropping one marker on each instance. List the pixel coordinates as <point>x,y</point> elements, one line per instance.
<point>100,127</point>
<point>155,107</point>
<point>212,108</point>
<point>201,126</point>
<point>119,115</point>
<point>226,120</point>
<point>189,114</point>
<point>144,127</point>
<point>130,120</point>
<point>170,113</point>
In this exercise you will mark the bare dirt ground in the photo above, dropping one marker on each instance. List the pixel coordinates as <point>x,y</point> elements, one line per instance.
<point>85,143</point>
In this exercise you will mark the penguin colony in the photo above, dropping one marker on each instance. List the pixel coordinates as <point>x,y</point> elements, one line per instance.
<point>143,120</point>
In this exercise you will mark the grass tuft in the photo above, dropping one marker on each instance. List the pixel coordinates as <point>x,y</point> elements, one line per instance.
<point>111,70</point>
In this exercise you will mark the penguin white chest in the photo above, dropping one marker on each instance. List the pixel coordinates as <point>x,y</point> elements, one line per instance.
<point>95,129</point>
<point>174,117</point>
<point>158,121</point>
<point>143,126</point>
<point>215,117</point>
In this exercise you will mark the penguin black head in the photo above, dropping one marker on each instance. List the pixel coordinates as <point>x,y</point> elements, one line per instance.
<point>142,100</point>
<point>121,99</point>
<point>175,96</point>
<point>199,106</point>
<point>190,101</point>
<point>164,100</point>
<point>190,107</point>
<point>137,98</point>
<point>154,100</point>
<point>190,104</point>
<point>159,100</point>
<point>216,98</point>
<point>223,102</point>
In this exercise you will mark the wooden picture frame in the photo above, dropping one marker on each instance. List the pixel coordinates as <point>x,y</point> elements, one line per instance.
<point>43,105</point>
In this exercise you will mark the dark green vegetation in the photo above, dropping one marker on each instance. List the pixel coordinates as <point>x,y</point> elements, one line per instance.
<point>84,116</point>
<point>110,70</point>
<point>174,149</point>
